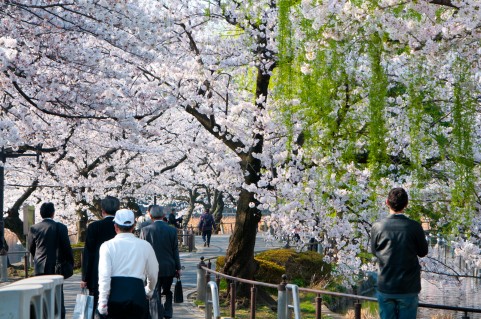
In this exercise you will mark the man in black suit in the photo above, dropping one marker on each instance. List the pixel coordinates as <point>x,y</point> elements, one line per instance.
<point>97,233</point>
<point>44,239</point>
<point>163,239</point>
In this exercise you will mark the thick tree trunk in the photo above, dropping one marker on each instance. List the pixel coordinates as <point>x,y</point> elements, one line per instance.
<point>82,225</point>
<point>13,221</point>
<point>240,253</point>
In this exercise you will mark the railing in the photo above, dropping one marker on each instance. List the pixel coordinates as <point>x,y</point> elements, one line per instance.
<point>204,273</point>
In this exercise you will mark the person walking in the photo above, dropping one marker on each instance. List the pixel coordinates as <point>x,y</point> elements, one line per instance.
<point>397,242</point>
<point>206,225</point>
<point>98,232</point>
<point>48,242</point>
<point>163,239</point>
<point>125,263</point>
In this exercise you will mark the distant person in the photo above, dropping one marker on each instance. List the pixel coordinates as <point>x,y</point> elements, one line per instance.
<point>44,240</point>
<point>206,225</point>
<point>172,220</point>
<point>98,232</point>
<point>126,262</point>
<point>397,242</point>
<point>142,221</point>
<point>163,239</point>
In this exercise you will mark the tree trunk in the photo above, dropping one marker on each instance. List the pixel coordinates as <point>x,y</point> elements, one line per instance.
<point>82,225</point>
<point>186,218</point>
<point>13,221</point>
<point>240,253</point>
<point>218,208</point>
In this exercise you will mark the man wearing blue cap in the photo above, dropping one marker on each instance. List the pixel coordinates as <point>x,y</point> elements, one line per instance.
<point>125,263</point>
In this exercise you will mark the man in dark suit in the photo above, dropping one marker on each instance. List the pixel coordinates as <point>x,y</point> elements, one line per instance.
<point>97,233</point>
<point>44,239</point>
<point>163,239</point>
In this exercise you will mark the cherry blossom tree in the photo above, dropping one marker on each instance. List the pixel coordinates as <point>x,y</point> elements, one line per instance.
<point>310,109</point>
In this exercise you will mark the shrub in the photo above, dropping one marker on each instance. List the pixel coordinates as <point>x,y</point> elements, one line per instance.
<point>307,268</point>
<point>77,255</point>
<point>269,272</point>
<point>302,269</point>
<point>277,256</point>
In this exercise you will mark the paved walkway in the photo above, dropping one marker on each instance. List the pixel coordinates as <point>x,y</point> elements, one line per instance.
<point>186,310</point>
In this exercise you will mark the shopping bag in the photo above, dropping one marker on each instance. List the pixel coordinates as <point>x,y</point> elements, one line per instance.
<point>84,306</point>
<point>156,309</point>
<point>178,294</point>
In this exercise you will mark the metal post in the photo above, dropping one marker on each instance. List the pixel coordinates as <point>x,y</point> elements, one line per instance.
<point>232,299</point>
<point>217,280</point>
<point>201,283</point>
<point>318,306</point>
<point>3,251</point>
<point>253,301</point>
<point>25,264</point>
<point>465,315</point>
<point>357,310</point>
<point>282,299</point>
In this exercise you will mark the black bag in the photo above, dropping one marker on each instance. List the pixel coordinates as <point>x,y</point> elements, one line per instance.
<point>156,309</point>
<point>178,293</point>
<point>63,268</point>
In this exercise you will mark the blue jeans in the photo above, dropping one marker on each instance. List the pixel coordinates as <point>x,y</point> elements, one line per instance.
<point>397,306</point>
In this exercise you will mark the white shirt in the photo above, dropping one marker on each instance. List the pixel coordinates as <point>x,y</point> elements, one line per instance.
<point>126,256</point>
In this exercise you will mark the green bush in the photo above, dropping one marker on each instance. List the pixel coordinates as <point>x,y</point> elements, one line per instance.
<point>277,256</point>
<point>77,255</point>
<point>303,269</point>
<point>307,268</point>
<point>269,272</point>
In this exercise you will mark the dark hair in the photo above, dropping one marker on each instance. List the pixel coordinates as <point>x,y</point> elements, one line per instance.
<point>397,199</point>
<point>110,205</point>
<point>47,210</point>
<point>126,229</point>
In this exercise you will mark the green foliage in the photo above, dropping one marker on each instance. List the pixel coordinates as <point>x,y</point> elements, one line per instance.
<point>278,256</point>
<point>269,272</point>
<point>77,254</point>
<point>377,102</point>
<point>303,269</point>
<point>464,108</point>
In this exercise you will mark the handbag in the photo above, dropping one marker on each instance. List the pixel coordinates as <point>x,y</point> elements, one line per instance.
<point>84,306</point>
<point>178,293</point>
<point>63,268</point>
<point>156,309</point>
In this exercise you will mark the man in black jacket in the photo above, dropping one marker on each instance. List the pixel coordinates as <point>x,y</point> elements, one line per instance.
<point>97,233</point>
<point>44,239</point>
<point>397,242</point>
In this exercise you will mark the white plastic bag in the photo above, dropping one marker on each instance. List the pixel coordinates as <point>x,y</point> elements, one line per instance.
<point>84,306</point>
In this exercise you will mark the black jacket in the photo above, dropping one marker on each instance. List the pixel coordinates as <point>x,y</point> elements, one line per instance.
<point>97,233</point>
<point>43,240</point>
<point>397,241</point>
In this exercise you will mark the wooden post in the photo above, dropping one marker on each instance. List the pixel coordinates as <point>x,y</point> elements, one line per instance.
<point>253,301</point>
<point>319,306</point>
<point>232,299</point>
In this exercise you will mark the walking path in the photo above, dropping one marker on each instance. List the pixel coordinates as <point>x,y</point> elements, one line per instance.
<point>186,310</point>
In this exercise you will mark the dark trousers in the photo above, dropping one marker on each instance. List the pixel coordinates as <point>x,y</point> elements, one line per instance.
<point>165,284</point>
<point>127,299</point>
<point>206,236</point>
